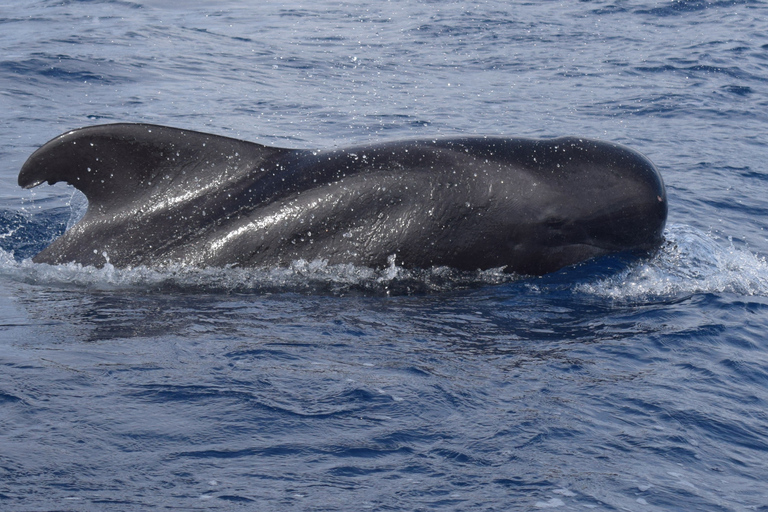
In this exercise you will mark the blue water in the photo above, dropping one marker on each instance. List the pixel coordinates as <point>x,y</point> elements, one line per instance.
<point>612,385</point>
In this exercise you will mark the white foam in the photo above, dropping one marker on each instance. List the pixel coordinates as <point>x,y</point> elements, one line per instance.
<point>689,262</point>
<point>301,276</point>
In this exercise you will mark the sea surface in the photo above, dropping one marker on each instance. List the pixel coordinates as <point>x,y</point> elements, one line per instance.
<point>617,384</point>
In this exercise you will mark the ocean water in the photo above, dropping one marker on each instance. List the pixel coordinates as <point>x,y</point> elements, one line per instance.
<point>616,384</point>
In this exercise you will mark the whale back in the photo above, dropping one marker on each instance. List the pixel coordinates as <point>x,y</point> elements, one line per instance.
<point>116,165</point>
<point>161,195</point>
<point>136,176</point>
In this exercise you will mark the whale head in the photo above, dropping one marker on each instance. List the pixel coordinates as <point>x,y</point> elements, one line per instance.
<point>581,199</point>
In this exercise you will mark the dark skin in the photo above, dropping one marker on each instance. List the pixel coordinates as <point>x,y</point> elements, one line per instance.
<point>160,195</point>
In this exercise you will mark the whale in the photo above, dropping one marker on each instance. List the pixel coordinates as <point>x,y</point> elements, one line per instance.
<point>160,196</point>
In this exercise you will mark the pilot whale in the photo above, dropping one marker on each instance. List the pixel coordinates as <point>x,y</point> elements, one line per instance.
<point>159,195</point>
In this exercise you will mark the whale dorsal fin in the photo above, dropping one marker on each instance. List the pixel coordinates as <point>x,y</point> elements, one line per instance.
<point>119,165</point>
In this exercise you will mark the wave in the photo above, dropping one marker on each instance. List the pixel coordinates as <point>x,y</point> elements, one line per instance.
<point>689,262</point>
<point>300,277</point>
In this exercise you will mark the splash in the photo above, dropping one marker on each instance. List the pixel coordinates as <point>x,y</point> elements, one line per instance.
<point>78,205</point>
<point>690,262</point>
<point>300,277</point>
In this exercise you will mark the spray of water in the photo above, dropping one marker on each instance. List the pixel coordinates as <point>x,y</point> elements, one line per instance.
<point>689,262</point>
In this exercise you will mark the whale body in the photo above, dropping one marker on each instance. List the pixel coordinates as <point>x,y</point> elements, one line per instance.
<point>159,195</point>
